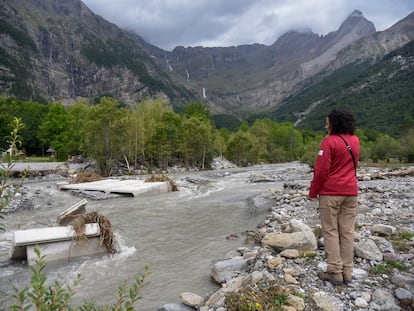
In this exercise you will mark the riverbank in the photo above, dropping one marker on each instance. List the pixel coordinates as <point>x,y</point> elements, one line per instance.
<point>386,210</point>
<point>383,277</point>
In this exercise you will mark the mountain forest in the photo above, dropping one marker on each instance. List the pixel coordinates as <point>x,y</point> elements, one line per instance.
<point>84,87</point>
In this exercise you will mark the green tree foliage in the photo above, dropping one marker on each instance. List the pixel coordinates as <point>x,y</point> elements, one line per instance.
<point>407,146</point>
<point>166,140</point>
<point>197,141</point>
<point>380,96</point>
<point>54,131</point>
<point>143,122</point>
<point>226,121</point>
<point>31,115</point>
<point>153,135</point>
<point>76,132</point>
<point>197,109</point>
<point>262,129</point>
<point>243,148</point>
<point>105,132</point>
<point>288,141</point>
<point>384,148</point>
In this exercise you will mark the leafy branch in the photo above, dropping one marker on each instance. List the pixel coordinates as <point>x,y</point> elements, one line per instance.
<point>14,141</point>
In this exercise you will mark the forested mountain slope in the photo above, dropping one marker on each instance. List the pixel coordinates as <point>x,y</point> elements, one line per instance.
<point>381,96</point>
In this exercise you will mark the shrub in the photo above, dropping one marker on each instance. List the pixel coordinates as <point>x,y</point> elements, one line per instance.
<point>57,296</point>
<point>267,297</point>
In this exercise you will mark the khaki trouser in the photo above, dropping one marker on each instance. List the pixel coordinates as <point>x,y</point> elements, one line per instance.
<point>338,215</point>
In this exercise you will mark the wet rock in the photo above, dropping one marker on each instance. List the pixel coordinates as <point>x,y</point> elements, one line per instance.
<point>383,230</point>
<point>304,240</point>
<point>383,300</point>
<point>175,307</point>
<point>327,302</point>
<point>369,250</point>
<point>403,281</point>
<point>191,300</point>
<point>404,294</point>
<point>260,178</point>
<point>225,270</point>
<point>386,207</point>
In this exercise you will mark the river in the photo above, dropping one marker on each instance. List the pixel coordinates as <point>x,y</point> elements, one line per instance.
<point>180,235</point>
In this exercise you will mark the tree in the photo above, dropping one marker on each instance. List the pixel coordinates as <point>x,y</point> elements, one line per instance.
<point>54,130</point>
<point>384,148</point>
<point>31,115</point>
<point>197,109</point>
<point>261,129</point>
<point>407,146</point>
<point>243,148</point>
<point>197,141</point>
<point>143,123</point>
<point>76,128</point>
<point>167,138</point>
<point>105,132</point>
<point>287,142</point>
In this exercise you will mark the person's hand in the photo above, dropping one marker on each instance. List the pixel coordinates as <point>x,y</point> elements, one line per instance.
<point>313,199</point>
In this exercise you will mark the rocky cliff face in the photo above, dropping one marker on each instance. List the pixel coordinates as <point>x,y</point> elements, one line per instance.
<point>376,45</point>
<point>256,77</point>
<point>58,50</point>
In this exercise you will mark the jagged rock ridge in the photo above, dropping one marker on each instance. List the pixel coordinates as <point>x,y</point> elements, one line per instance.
<point>58,50</point>
<point>61,51</point>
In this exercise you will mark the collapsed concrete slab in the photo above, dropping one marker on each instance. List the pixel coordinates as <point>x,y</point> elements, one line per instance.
<point>67,216</point>
<point>55,243</point>
<point>117,186</point>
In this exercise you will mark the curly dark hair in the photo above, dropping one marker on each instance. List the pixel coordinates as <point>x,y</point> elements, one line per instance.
<point>342,122</point>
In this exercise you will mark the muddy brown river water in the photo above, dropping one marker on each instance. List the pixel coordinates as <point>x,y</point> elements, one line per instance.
<point>179,234</point>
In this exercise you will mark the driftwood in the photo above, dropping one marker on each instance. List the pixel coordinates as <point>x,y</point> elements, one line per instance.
<point>85,177</point>
<point>106,234</point>
<point>398,173</point>
<point>161,178</point>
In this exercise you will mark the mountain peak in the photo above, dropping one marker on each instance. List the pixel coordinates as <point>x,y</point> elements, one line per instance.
<point>356,13</point>
<point>356,23</point>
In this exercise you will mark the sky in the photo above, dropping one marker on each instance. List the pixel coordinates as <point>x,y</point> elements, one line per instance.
<point>223,23</point>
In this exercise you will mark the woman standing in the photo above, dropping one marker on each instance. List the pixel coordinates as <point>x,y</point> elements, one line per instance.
<point>335,185</point>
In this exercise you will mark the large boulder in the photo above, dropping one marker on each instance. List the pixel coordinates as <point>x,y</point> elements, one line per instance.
<point>225,270</point>
<point>295,235</point>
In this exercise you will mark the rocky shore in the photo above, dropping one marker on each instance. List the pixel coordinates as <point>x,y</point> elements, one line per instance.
<point>287,249</point>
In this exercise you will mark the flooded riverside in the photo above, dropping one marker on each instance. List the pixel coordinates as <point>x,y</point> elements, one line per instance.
<point>180,235</point>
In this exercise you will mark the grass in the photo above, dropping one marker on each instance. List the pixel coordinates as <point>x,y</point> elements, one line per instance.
<point>388,266</point>
<point>38,159</point>
<point>264,298</point>
<point>400,241</point>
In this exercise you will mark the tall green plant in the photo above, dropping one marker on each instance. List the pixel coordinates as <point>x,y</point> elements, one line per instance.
<point>6,190</point>
<point>42,296</point>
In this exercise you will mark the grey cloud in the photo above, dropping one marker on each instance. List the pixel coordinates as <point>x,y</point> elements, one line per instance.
<point>169,23</point>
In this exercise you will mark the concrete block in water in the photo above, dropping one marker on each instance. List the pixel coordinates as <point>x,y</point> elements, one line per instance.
<point>55,243</point>
<point>65,218</point>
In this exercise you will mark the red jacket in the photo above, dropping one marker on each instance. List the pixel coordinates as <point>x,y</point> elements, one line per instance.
<point>334,171</point>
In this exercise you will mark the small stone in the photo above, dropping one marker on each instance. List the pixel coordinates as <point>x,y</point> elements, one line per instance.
<point>274,262</point>
<point>361,303</point>
<point>290,253</point>
<point>290,279</point>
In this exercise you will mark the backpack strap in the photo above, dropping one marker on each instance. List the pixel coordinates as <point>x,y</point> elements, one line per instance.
<point>348,146</point>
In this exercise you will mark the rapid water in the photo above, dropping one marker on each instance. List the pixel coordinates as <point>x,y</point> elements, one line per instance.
<point>179,234</point>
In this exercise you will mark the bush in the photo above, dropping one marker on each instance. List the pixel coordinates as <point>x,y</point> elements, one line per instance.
<point>42,296</point>
<point>266,298</point>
